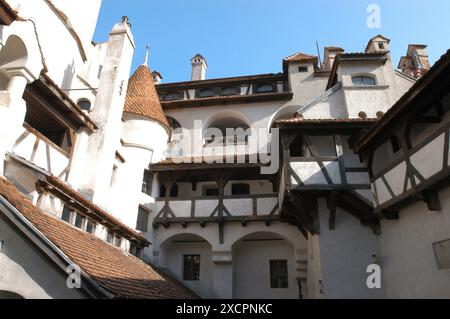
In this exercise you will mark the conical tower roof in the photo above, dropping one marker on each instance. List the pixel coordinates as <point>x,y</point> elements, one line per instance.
<point>142,98</point>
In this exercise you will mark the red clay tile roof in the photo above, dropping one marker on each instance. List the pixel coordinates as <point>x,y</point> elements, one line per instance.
<point>142,98</point>
<point>73,194</point>
<point>123,275</point>
<point>300,57</point>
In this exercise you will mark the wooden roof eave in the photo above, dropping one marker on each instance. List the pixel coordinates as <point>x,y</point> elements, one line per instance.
<point>64,104</point>
<point>7,14</point>
<point>228,100</point>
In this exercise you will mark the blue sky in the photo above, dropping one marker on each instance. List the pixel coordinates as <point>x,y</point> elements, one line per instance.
<point>244,37</point>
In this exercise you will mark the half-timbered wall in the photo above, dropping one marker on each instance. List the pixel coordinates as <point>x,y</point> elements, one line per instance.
<point>422,161</point>
<point>327,163</point>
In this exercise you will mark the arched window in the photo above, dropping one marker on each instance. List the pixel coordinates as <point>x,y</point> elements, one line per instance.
<point>232,131</point>
<point>364,80</point>
<point>264,88</point>
<point>229,91</point>
<point>206,93</point>
<point>84,104</point>
<point>172,96</point>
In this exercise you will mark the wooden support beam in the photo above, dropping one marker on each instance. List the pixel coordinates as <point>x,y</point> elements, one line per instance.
<point>432,200</point>
<point>332,207</point>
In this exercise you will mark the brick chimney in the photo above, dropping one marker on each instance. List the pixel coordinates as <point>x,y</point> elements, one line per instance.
<point>416,62</point>
<point>199,67</point>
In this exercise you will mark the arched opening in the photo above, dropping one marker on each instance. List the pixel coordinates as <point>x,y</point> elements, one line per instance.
<point>189,258</point>
<point>232,128</point>
<point>274,258</point>
<point>9,295</point>
<point>13,55</point>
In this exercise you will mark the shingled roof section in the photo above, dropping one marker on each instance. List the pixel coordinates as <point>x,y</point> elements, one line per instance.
<point>121,274</point>
<point>142,98</point>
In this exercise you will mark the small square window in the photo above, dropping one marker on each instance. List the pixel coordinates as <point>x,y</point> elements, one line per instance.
<point>191,268</point>
<point>303,69</point>
<point>278,274</point>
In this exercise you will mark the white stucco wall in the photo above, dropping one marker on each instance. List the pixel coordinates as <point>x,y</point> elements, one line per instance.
<point>251,270</point>
<point>26,272</point>
<point>345,254</point>
<point>408,263</point>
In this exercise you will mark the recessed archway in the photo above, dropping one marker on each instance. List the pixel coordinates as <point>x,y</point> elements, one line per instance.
<point>264,266</point>
<point>189,257</point>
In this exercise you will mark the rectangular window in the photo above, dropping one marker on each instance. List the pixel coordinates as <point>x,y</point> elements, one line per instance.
<point>142,219</point>
<point>78,221</point>
<point>240,189</point>
<point>302,69</point>
<point>147,182</point>
<point>110,238</point>
<point>90,227</point>
<point>278,274</point>
<point>66,214</point>
<point>118,242</point>
<point>191,268</point>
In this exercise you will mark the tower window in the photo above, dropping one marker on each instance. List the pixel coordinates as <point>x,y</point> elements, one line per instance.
<point>142,219</point>
<point>278,274</point>
<point>191,267</point>
<point>364,80</point>
<point>147,182</point>
<point>302,69</point>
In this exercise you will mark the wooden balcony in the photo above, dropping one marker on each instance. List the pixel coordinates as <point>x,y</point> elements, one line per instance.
<point>203,210</point>
<point>36,148</point>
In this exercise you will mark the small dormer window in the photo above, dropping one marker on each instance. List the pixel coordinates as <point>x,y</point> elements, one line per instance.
<point>381,46</point>
<point>364,80</point>
<point>303,69</point>
<point>264,88</point>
